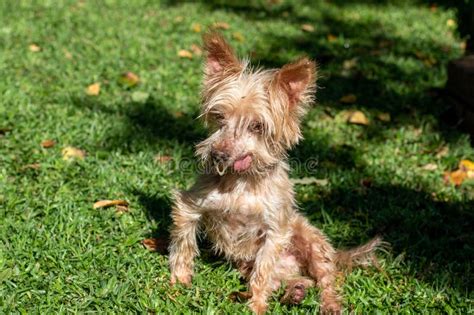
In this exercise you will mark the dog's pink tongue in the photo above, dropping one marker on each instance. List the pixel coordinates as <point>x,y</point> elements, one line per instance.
<point>243,163</point>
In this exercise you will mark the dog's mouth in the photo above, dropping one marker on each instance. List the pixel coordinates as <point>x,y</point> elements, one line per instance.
<point>239,165</point>
<point>242,163</point>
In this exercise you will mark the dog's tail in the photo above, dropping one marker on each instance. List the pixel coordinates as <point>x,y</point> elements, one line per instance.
<point>363,255</point>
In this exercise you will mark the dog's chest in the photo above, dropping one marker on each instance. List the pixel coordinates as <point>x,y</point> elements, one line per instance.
<point>236,222</point>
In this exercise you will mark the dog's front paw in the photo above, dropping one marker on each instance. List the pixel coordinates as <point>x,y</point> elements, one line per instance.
<point>183,278</point>
<point>259,307</point>
<point>331,308</point>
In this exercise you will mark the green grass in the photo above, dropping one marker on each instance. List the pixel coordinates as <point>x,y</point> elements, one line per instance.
<point>58,254</point>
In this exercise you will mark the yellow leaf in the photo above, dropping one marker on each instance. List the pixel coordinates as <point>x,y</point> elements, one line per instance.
<point>238,36</point>
<point>348,99</point>
<point>72,153</point>
<point>451,23</point>
<point>466,165</point>
<point>129,78</point>
<point>221,25</point>
<point>93,89</point>
<point>196,27</point>
<point>196,50</point>
<point>48,143</point>
<point>457,177</point>
<point>307,28</point>
<point>385,117</point>
<point>358,118</point>
<point>34,48</point>
<point>109,203</point>
<point>185,54</point>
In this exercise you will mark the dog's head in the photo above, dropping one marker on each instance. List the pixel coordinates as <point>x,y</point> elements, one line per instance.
<point>254,115</point>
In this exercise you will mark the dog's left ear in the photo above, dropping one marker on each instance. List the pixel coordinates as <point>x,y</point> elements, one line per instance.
<point>298,81</point>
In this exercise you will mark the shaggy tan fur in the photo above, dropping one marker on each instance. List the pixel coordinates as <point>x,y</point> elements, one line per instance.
<point>245,204</point>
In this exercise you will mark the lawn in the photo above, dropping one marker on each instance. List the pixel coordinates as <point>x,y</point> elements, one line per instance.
<point>59,254</point>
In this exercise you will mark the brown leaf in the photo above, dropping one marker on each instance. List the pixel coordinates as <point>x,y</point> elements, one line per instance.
<point>93,89</point>
<point>156,244</point>
<point>358,118</point>
<point>443,151</point>
<point>121,208</point>
<point>385,117</point>
<point>129,78</point>
<point>34,48</point>
<point>196,27</point>
<point>457,177</point>
<point>183,53</point>
<point>49,143</point>
<point>221,25</point>
<point>196,50</point>
<point>430,167</point>
<point>348,99</point>
<point>331,37</point>
<point>162,158</point>
<point>238,37</point>
<point>307,28</point>
<point>110,203</point>
<point>72,153</point>
<point>34,166</point>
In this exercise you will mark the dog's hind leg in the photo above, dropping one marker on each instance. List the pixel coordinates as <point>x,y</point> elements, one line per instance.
<point>295,290</point>
<point>317,258</point>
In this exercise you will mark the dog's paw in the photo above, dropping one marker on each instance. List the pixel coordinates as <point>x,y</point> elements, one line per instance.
<point>294,294</point>
<point>184,279</point>
<point>331,308</point>
<point>258,307</point>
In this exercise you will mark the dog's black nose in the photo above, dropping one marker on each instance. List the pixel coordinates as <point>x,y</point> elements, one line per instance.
<point>219,155</point>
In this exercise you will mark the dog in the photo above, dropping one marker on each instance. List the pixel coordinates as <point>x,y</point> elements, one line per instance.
<point>245,202</point>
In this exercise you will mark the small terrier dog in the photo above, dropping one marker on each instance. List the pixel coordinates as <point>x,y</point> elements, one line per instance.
<point>246,204</point>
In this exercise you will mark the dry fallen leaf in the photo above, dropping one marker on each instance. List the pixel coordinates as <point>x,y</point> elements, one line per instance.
<point>196,27</point>
<point>162,158</point>
<point>48,143</point>
<point>34,48</point>
<point>309,181</point>
<point>196,50</point>
<point>457,177</point>
<point>331,37</point>
<point>307,28</point>
<point>348,99</point>
<point>385,117</point>
<point>121,208</point>
<point>430,167</point>
<point>238,36</point>
<point>358,118</point>
<point>156,244</point>
<point>466,165</point>
<point>183,53</point>
<point>72,153</point>
<point>443,151</point>
<point>221,25</point>
<point>110,203</point>
<point>129,78</point>
<point>34,166</point>
<point>93,89</point>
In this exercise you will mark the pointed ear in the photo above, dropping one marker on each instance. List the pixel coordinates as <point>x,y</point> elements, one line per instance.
<point>298,81</point>
<point>220,58</point>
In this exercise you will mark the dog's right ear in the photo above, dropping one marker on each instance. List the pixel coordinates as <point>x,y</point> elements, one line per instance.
<point>220,58</point>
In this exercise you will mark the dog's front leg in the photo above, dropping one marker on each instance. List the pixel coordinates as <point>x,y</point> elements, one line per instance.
<point>263,273</point>
<point>183,246</point>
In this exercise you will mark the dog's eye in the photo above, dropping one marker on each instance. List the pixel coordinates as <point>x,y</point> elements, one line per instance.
<point>219,119</point>
<point>256,127</point>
